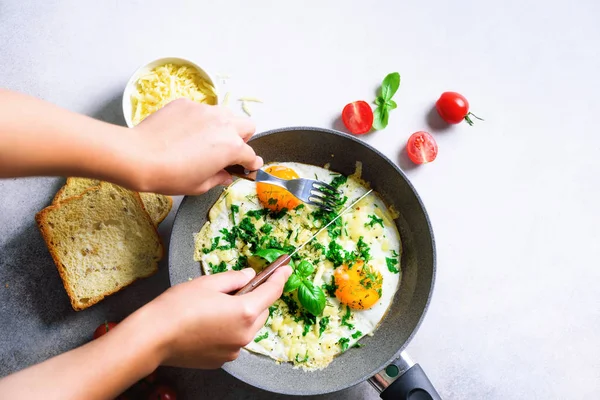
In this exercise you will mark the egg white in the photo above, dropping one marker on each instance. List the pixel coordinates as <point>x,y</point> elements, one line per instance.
<point>286,339</point>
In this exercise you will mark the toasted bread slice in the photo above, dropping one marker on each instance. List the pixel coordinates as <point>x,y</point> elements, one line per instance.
<point>157,205</point>
<point>100,241</point>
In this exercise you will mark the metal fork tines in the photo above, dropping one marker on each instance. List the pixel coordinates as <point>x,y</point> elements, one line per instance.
<point>310,191</point>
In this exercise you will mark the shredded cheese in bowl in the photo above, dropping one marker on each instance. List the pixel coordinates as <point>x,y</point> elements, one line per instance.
<point>165,83</point>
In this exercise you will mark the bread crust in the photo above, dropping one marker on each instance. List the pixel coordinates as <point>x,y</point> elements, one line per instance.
<point>41,219</point>
<point>58,198</point>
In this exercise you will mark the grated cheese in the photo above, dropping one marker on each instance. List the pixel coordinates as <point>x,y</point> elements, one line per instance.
<point>165,83</point>
<point>226,99</point>
<point>250,99</point>
<point>246,108</point>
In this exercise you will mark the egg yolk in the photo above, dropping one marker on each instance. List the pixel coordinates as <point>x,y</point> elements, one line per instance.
<point>273,197</point>
<point>358,285</point>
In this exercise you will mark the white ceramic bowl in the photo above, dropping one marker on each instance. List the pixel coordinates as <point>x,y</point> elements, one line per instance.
<point>127,110</point>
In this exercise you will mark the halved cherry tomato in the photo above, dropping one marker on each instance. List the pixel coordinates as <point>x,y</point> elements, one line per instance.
<point>453,108</point>
<point>358,117</point>
<point>103,329</point>
<point>421,147</point>
<point>163,392</point>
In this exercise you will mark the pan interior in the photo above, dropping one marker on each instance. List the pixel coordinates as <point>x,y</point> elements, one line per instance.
<point>318,147</point>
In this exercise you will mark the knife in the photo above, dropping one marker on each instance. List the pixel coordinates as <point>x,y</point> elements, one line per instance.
<point>285,258</point>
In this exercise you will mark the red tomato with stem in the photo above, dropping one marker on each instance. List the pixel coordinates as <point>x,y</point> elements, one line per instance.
<point>163,392</point>
<point>358,117</point>
<point>421,148</point>
<point>103,329</point>
<point>453,108</point>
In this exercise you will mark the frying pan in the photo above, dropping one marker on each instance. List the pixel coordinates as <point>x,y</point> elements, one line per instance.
<point>382,359</point>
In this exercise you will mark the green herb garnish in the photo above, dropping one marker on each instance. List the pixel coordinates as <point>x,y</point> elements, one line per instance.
<point>384,101</point>
<point>330,288</point>
<point>374,221</point>
<point>391,264</point>
<point>269,254</point>
<point>214,244</point>
<point>346,317</point>
<point>311,297</point>
<point>338,181</point>
<point>334,254</point>
<point>221,267</point>
<point>323,322</point>
<point>356,335</point>
<point>266,229</point>
<point>234,209</point>
<point>261,337</point>
<point>241,263</point>
<point>363,249</point>
<point>305,359</point>
<point>343,342</point>
<point>257,214</point>
<point>290,303</point>
<point>279,214</point>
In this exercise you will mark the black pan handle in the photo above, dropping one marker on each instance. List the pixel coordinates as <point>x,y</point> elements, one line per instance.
<point>404,380</point>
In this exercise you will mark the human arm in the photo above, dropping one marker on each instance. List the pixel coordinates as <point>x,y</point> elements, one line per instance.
<point>181,149</point>
<point>194,324</point>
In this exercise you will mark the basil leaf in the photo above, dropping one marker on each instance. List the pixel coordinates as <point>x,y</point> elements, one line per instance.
<point>292,283</point>
<point>390,85</point>
<point>311,297</point>
<point>380,118</point>
<point>304,269</point>
<point>379,101</point>
<point>391,104</point>
<point>269,254</point>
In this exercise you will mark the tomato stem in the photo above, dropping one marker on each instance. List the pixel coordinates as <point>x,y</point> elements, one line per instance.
<point>469,120</point>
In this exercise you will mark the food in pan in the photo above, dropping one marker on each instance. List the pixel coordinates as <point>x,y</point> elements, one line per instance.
<point>344,280</point>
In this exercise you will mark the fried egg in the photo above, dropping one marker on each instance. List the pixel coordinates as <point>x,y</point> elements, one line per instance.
<point>355,262</point>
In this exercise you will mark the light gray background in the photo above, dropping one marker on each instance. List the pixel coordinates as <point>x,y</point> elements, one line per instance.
<point>513,200</point>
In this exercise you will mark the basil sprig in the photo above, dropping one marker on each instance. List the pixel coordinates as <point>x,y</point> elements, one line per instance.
<point>310,296</point>
<point>384,101</point>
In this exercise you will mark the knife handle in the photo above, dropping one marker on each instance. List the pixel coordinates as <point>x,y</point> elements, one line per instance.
<point>264,275</point>
<point>241,172</point>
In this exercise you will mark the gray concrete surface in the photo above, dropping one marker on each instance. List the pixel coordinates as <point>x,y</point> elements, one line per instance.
<point>513,200</point>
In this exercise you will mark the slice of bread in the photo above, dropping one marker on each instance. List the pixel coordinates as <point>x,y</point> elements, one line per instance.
<point>157,205</point>
<point>101,241</point>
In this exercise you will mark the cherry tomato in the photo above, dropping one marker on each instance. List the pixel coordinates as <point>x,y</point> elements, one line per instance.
<point>163,392</point>
<point>421,147</point>
<point>358,117</point>
<point>103,329</point>
<point>453,108</point>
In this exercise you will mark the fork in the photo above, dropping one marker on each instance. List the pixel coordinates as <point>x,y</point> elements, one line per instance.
<point>310,191</point>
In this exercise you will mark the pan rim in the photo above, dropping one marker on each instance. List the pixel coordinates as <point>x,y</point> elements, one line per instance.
<point>393,357</point>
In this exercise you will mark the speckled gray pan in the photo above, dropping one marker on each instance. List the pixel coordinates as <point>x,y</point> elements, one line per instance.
<point>318,147</point>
